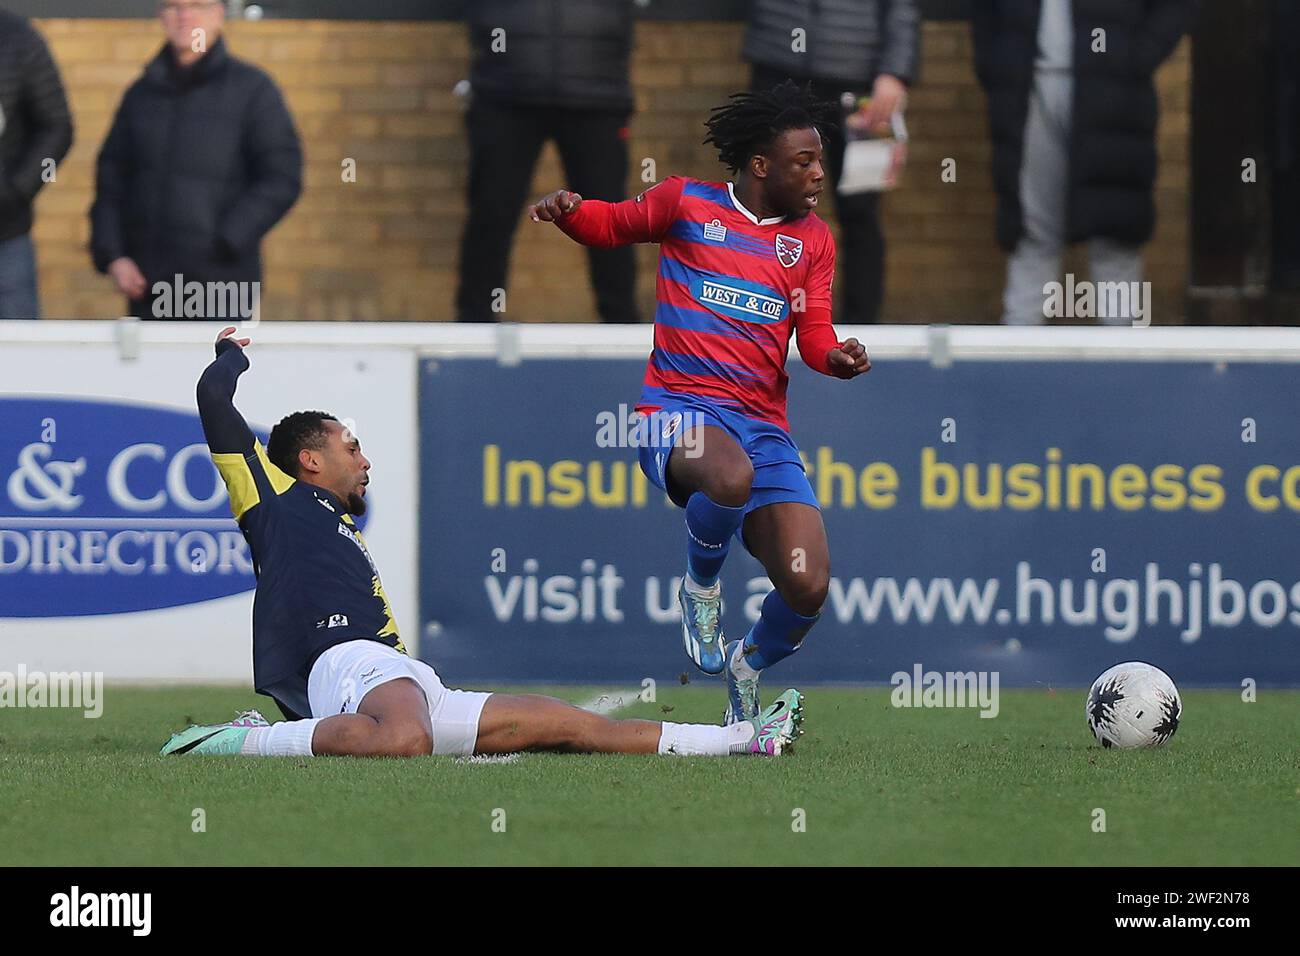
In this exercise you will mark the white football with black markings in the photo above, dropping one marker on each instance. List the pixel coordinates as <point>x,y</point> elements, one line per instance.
<point>1133,705</point>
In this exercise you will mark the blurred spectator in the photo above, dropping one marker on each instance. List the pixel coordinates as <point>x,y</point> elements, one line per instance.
<point>1046,64</point>
<point>202,160</point>
<point>848,49</point>
<point>545,69</point>
<point>35,135</point>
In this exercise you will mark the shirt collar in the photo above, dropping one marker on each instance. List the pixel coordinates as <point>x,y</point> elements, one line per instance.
<point>731,190</point>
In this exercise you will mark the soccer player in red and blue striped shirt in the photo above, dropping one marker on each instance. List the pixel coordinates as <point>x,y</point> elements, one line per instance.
<point>743,265</point>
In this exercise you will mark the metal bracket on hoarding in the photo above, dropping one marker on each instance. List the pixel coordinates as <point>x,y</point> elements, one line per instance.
<point>508,346</point>
<point>937,337</point>
<point>127,333</point>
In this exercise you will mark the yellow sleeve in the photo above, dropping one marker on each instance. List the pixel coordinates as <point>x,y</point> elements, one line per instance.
<point>248,477</point>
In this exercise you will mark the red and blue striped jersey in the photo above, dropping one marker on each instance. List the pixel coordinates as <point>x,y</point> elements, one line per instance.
<point>731,291</point>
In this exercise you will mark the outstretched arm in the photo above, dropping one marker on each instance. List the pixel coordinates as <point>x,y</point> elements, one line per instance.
<point>224,428</point>
<point>249,475</point>
<point>593,222</point>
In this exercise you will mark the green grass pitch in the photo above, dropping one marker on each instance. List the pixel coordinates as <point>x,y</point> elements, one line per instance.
<point>877,786</point>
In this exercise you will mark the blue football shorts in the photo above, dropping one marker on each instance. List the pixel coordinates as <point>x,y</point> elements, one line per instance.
<point>778,471</point>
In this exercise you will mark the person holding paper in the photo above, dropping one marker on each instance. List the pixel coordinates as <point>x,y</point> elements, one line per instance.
<point>863,55</point>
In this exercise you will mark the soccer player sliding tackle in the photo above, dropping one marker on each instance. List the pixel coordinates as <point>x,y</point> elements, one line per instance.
<point>743,265</point>
<point>326,647</point>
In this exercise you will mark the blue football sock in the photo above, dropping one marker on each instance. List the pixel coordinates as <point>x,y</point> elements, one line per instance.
<point>777,633</point>
<point>709,527</point>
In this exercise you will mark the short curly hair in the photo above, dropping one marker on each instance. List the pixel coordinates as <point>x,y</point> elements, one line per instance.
<point>751,122</point>
<point>294,433</point>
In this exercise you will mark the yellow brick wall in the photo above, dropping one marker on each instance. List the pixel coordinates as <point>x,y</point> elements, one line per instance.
<point>385,247</point>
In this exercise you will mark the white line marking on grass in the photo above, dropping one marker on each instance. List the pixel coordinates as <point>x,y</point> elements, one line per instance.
<point>489,758</point>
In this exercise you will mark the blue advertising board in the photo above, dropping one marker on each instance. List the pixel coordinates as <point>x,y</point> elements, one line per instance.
<point>110,507</point>
<point>1042,519</point>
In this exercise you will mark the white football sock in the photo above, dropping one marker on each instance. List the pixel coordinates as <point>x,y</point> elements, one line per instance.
<point>740,663</point>
<point>287,738</point>
<point>702,740</point>
<point>695,589</point>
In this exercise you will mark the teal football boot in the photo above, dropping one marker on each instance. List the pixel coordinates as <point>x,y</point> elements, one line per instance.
<point>702,629</point>
<point>215,738</point>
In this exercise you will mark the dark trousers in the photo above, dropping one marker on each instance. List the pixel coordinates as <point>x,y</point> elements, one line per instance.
<point>18,298</point>
<point>860,265</point>
<point>504,143</point>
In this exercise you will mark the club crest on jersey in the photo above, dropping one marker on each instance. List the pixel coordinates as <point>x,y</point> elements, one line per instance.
<point>673,422</point>
<point>789,250</point>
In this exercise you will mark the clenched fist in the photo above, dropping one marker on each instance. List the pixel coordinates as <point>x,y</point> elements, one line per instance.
<point>849,359</point>
<point>555,206</point>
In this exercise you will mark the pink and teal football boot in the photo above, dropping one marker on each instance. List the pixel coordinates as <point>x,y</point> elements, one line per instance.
<point>776,729</point>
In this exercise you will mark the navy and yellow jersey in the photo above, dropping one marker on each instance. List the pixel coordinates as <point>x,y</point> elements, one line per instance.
<point>317,584</point>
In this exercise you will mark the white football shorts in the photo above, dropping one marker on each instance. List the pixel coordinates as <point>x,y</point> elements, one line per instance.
<point>344,674</point>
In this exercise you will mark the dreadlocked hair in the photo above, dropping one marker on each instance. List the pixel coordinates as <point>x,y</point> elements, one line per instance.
<point>751,121</point>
